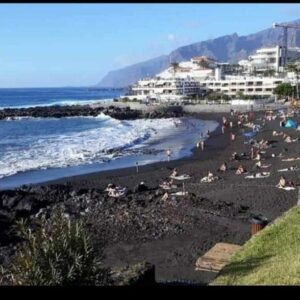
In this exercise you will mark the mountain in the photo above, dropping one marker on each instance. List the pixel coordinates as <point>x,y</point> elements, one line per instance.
<point>228,48</point>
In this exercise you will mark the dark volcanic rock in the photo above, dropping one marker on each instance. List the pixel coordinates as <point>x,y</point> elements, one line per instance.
<point>139,274</point>
<point>85,110</point>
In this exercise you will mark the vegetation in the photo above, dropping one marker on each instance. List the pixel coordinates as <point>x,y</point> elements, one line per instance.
<point>203,64</point>
<point>295,67</point>
<point>284,90</point>
<point>271,257</point>
<point>242,96</point>
<point>57,252</point>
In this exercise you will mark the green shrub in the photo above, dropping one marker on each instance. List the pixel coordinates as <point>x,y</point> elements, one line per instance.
<point>57,252</point>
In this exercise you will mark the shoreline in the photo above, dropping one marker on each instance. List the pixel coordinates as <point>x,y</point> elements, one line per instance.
<point>213,143</point>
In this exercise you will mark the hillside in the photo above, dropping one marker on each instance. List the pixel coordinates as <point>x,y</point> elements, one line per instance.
<point>229,48</point>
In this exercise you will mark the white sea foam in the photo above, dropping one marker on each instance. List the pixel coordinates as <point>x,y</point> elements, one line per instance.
<point>77,148</point>
<point>60,103</point>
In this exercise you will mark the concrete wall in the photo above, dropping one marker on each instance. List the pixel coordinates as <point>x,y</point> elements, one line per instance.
<point>197,107</point>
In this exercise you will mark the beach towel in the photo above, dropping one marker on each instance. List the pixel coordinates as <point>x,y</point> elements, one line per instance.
<point>179,194</point>
<point>258,175</point>
<point>167,187</point>
<point>265,166</point>
<point>290,159</point>
<point>181,177</point>
<point>289,169</point>
<point>287,188</point>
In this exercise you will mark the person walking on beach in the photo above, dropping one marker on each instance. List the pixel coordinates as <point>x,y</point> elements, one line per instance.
<point>202,145</point>
<point>223,129</point>
<point>169,154</point>
<point>252,153</point>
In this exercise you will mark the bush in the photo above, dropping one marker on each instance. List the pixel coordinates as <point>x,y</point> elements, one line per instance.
<point>58,252</point>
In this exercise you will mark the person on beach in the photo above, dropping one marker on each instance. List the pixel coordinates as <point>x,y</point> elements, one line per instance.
<point>174,173</point>
<point>234,156</point>
<point>169,154</point>
<point>232,136</point>
<point>202,145</point>
<point>258,165</point>
<point>165,197</point>
<point>223,129</point>
<point>252,153</point>
<point>240,170</point>
<point>208,133</point>
<point>210,175</point>
<point>282,182</point>
<point>223,167</point>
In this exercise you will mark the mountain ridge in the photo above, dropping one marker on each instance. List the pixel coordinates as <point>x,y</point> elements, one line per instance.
<point>227,48</point>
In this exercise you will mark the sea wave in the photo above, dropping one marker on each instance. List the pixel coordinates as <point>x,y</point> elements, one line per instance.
<point>59,103</point>
<point>110,140</point>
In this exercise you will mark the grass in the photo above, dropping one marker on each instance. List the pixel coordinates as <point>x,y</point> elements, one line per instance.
<point>271,257</point>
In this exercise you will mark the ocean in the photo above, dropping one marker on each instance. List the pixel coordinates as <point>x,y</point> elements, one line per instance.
<point>36,150</point>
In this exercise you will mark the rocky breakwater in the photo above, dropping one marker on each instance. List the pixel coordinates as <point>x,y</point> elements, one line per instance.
<point>85,110</point>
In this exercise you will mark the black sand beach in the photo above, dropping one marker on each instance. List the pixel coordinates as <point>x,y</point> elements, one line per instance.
<point>173,234</point>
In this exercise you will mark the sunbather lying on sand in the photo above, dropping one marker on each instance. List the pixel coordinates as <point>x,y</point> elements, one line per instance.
<point>240,170</point>
<point>209,178</point>
<point>291,159</point>
<point>292,168</point>
<point>283,183</point>
<point>223,167</point>
<point>275,133</point>
<point>167,185</point>
<point>258,175</point>
<point>116,191</point>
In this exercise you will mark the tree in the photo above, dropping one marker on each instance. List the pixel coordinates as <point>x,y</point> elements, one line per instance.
<point>175,66</point>
<point>203,63</point>
<point>284,90</point>
<point>295,67</point>
<point>57,252</point>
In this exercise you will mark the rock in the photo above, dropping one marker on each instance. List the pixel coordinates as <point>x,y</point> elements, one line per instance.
<point>139,274</point>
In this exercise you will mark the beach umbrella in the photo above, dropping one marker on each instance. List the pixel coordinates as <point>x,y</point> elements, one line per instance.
<point>291,124</point>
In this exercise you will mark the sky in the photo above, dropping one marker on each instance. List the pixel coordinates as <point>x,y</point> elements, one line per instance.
<point>57,45</point>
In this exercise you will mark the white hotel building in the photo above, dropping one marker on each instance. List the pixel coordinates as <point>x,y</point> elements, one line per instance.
<point>193,78</point>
